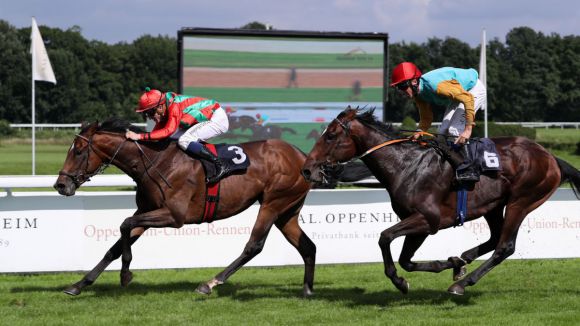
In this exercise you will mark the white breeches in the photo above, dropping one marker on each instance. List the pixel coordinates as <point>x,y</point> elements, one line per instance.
<point>217,125</point>
<point>453,122</point>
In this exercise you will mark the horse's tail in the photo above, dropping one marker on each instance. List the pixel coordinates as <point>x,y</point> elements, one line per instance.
<point>570,174</point>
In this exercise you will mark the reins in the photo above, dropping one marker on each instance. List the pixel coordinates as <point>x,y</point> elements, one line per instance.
<point>101,169</point>
<point>76,178</point>
<point>152,165</point>
<point>345,127</point>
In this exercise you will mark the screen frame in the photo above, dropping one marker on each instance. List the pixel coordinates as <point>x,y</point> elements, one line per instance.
<point>196,31</point>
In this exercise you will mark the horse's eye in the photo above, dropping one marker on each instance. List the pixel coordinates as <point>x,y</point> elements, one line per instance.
<point>330,136</point>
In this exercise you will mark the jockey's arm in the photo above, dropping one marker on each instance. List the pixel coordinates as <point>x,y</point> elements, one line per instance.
<point>453,90</point>
<point>161,133</point>
<point>425,114</point>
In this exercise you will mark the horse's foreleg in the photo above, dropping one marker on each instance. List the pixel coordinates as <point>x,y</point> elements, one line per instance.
<point>415,224</point>
<point>410,246</point>
<point>113,253</point>
<point>253,247</point>
<point>157,218</point>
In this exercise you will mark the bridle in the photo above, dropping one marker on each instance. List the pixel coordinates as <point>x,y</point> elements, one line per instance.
<point>83,176</point>
<point>346,128</point>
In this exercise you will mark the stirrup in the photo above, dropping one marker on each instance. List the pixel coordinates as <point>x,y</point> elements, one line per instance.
<point>467,176</point>
<point>217,177</point>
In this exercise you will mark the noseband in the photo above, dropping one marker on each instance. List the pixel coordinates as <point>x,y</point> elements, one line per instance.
<point>335,167</point>
<point>84,176</point>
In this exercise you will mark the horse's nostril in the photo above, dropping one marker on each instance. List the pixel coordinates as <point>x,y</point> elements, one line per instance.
<point>306,173</point>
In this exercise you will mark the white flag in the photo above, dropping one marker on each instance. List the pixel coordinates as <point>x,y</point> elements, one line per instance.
<point>42,70</point>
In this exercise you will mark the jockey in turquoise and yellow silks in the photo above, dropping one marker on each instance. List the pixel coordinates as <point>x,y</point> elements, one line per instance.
<point>459,90</point>
<point>200,118</point>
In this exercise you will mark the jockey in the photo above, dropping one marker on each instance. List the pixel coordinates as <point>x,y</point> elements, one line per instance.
<point>460,90</point>
<point>262,119</point>
<point>201,119</point>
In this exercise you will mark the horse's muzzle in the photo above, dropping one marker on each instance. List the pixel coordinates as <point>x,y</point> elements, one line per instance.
<point>65,186</point>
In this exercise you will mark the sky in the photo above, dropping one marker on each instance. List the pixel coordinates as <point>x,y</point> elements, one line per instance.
<point>416,21</point>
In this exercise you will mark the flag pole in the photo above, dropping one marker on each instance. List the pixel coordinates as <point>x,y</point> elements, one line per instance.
<point>483,78</point>
<point>33,120</point>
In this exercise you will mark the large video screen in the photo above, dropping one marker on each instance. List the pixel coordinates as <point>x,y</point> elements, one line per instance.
<point>281,78</point>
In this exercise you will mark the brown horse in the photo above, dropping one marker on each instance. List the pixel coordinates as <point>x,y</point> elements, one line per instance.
<point>421,188</point>
<point>171,193</point>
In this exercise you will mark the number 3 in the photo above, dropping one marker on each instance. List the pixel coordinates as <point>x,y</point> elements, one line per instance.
<point>241,157</point>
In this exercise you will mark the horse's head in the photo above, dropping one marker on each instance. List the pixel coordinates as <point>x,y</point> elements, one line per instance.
<point>86,158</point>
<point>336,145</point>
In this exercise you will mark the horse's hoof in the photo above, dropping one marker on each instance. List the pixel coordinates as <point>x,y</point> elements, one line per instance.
<point>459,272</point>
<point>72,290</point>
<point>203,288</point>
<point>126,278</point>
<point>307,292</point>
<point>403,286</point>
<point>456,289</point>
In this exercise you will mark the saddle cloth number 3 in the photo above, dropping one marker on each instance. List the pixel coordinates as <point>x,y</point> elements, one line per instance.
<point>240,155</point>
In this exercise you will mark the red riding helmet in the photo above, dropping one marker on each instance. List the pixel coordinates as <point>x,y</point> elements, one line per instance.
<point>150,99</point>
<point>404,71</point>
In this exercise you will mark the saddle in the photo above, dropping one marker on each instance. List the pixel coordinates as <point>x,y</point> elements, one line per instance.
<point>483,152</point>
<point>484,159</point>
<point>233,158</point>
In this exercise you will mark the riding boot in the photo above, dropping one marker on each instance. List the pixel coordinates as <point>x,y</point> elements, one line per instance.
<point>220,170</point>
<point>467,173</point>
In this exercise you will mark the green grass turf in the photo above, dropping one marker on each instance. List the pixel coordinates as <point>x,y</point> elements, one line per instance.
<point>284,95</point>
<point>16,156</point>
<point>517,292</point>
<point>233,59</point>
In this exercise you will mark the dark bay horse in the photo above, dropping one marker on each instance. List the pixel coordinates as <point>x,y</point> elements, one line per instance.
<point>420,184</point>
<point>171,192</point>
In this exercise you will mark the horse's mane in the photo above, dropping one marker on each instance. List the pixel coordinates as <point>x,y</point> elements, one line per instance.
<point>118,125</point>
<point>367,118</point>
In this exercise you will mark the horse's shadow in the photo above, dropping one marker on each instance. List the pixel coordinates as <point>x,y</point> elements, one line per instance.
<point>244,292</point>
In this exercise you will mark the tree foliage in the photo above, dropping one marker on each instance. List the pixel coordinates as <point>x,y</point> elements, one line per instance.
<point>531,77</point>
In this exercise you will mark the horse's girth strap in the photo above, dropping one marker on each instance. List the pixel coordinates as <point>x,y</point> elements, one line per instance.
<point>211,195</point>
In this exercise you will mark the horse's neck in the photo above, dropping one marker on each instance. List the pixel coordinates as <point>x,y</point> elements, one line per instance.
<point>129,157</point>
<point>387,163</point>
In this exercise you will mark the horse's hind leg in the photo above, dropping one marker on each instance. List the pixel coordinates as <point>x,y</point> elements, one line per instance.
<point>307,249</point>
<point>495,221</point>
<point>506,246</point>
<point>253,247</point>
<point>113,253</point>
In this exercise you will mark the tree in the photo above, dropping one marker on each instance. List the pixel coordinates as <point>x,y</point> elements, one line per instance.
<point>256,25</point>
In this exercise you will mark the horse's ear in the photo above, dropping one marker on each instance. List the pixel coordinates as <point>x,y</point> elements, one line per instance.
<point>89,126</point>
<point>351,113</point>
